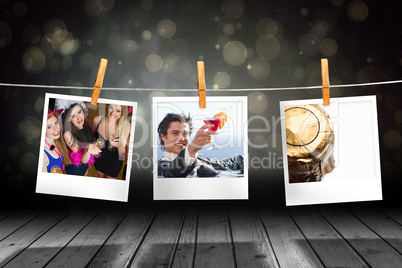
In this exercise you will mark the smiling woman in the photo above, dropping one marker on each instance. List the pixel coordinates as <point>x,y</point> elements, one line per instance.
<point>78,136</point>
<point>56,155</point>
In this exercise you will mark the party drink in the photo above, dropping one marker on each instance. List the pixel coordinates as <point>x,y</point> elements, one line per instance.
<point>56,169</point>
<point>213,122</point>
<point>100,143</point>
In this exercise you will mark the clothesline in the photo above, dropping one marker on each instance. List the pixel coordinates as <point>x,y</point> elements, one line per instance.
<point>224,90</point>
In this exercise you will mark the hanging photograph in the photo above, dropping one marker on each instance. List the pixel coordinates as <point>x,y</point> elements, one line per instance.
<point>200,153</point>
<point>85,149</point>
<point>331,153</point>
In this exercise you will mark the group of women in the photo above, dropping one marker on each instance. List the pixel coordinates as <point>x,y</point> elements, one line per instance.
<point>72,144</point>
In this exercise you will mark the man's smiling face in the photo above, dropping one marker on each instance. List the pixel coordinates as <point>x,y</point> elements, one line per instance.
<point>177,137</point>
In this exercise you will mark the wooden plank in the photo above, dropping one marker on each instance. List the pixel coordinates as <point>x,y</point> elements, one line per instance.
<point>214,241</point>
<point>368,244</point>
<point>46,247</point>
<point>382,225</point>
<point>121,246</point>
<point>185,251</point>
<point>251,242</point>
<point>86,244</point>
<point>24,236</point>
<point>290,246</point>
<point>158,247</point>
<point>332,249</point>
<point>5,214</point>
<point>15,221</point>
<point>393,212</point>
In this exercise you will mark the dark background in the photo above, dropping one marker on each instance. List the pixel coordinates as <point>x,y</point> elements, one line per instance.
<point>156,44</point>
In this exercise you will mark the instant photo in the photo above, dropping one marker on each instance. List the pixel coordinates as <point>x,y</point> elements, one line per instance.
<point>331,153</point>
<point>85,149</point>
<point>200,153</point>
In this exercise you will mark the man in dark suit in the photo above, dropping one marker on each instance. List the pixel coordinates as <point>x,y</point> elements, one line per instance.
<point>181,157</point>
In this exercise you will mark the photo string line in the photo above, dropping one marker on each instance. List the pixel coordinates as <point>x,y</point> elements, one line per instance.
<point>194,89</point>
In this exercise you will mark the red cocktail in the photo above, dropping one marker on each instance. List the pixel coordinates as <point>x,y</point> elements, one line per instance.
<point>212,122</point>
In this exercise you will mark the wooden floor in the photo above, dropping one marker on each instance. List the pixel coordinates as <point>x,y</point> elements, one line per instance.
<point>321,236</point>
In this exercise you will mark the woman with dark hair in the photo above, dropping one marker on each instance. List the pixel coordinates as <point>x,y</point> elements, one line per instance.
<point>77,135</point>
<point>114,129</point>
<point>56,154</point>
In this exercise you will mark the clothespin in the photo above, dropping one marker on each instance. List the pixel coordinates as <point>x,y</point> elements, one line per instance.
<point>201,83</point>
<point>99,81</point>
<point>325,81</point>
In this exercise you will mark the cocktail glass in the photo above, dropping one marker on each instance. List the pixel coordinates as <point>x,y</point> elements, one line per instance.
<point>215,123</point>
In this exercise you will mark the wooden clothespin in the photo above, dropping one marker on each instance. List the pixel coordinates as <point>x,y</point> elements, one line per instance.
<point>201,83</point>
<point>99,81</point>
<point>325,81</point>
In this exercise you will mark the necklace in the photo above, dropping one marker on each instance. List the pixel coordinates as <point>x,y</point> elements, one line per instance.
<point>52,147</point>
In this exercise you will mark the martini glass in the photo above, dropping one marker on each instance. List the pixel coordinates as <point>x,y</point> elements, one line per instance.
<point>215,122</point>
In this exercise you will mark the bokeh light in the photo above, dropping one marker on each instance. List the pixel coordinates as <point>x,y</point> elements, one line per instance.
<point>6,34</point>
<point>166,28</point>
<point>299,73</point>
<point>169,65</point>
<point>328,47</point>
<point>234,53</point>
<point>19,9</point>
<point>146,4</point>
<point>258,68</point>
<point>392,139</point>
<point>309,45</point>
<point>266,26</point>
<point>257,102</point>
<point>357,10</point>
<point>304,11</point>
<point>222,41</point>
<point>228,29</point>
<point>94,8</point>
<point>113,40</point>
<point>146,35</point>
<point>337,3</point>
<point>86,59</point>
<point>233,8</point>
<point>153,63</point>
<point>34,60</point>
<point>221,80</point>
<point>268,47</point>
<point>398,116</point>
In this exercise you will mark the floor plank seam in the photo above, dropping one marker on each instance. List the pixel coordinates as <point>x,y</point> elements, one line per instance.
<point>346,240</point>
<point>196,239</point>
<point>231,238</point>
<point>40,213</point>
<point>107,238</point>
<point>390,217</point>
<point>72,238</point>
<point>178,240</point>
<point>268,237</point>
<point>151,222</point>
<point>33,241</point>
<point>374,232</point>
<point>305,238</point>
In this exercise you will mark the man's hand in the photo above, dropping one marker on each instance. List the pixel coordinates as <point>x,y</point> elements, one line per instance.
<point>201,139</point>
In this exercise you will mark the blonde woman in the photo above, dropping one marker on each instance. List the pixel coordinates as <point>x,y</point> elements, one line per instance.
<point>56,154</point>
<point>114,129</point>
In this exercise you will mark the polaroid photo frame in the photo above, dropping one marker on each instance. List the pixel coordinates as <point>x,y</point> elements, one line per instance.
<point>231,139</point>
<point>357,172</point>
<point>86,186</point>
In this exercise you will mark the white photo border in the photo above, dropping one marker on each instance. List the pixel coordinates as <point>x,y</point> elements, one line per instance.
<point>200,188</point>
<point>80,186</point>
<point>347,188</point>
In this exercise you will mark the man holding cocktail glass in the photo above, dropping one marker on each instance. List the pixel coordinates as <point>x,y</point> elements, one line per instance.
<point>181,157</point>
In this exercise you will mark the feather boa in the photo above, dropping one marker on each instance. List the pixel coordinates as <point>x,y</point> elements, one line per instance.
<point>76,157</point>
